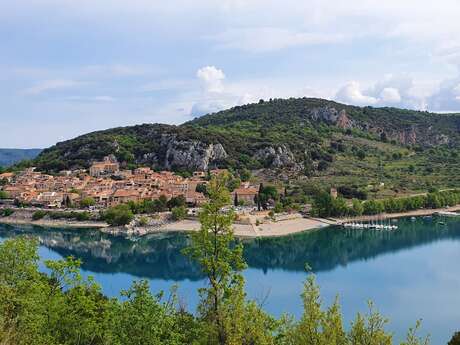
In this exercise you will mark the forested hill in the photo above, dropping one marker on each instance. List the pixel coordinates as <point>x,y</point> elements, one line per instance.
<point>306,136</point>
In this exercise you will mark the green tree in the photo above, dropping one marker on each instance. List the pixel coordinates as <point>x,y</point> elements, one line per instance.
<point>3,194</point>
<point>201,188</point>
<point>82,216</point>
<point>161,204</point>
<point>75,306</point>
<point>22,293</point>
<point>6,212</point>
<point>220,259</point>
<point>142,318</point>
<point>177,201</point>
<point>37,215</point>
<point>245,175</point>
<point>233,183</point>
<point>118,215</point>
<point>324,205</point>
<point>369,329</point>
<point>87,202</point>
<point>179,212</point>
<point>357,207</point>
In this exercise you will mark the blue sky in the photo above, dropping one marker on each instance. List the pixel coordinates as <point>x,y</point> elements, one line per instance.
<point>70,67</point>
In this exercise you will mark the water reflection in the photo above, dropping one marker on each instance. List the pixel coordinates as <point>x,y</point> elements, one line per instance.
<point>159,255</point>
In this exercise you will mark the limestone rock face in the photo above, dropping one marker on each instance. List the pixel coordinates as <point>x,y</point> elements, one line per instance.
<point>277,157</point>
<point>332,116</point>
<point>343,121</point>
<point>188,154</point>
<point>411,135</point>
<point>327,114</point>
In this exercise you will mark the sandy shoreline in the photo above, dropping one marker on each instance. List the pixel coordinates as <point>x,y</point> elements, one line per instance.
<point>246,230</point>
<point>271,229</point>
<point>416,213</point>
<point>53,224</point>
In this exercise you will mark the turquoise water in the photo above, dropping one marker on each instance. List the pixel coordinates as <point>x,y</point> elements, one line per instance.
<point>412,273</point>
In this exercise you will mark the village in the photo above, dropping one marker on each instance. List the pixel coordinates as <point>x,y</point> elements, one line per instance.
<point>85,198</point>
<point>106,185</point>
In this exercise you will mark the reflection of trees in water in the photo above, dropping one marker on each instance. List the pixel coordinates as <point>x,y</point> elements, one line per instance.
<point>327,249</point>
<point>152,256</point>
<point>159,255</point>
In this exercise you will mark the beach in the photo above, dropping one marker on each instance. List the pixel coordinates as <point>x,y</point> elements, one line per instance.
<point>252,228</point>
<point>267,229</point>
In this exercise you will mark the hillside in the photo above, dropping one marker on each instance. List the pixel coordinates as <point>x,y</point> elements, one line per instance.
<point>11,156</point>
<point>304,137</point>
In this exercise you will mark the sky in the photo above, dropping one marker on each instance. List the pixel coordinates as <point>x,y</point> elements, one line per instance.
<point>72,67</point>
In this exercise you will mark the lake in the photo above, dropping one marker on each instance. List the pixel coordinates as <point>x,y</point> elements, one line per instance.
<point>411,273</point>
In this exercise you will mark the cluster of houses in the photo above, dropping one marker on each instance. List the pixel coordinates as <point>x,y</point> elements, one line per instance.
<point>108,186</point>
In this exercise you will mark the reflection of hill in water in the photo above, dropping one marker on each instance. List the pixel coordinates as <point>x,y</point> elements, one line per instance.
<point>159,255</point>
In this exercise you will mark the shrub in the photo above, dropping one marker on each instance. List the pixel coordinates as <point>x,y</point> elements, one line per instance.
<point>37,215</point>
<point>352,192</point>
<point>179,213</point>
<point>143,221</point>
<point>87,202</point>
<point>56,215</point>
<point>3,194</point>
<point>178,201</point>
<point>7,212</point>
<point>118,215</point>
<point>278,207</point>
<point>201,188</point>
<point>82,216</point>
<point>361,154</point>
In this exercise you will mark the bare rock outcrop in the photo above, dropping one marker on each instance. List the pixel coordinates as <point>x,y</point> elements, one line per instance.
<point>188,154</point>
<point>277,157</point>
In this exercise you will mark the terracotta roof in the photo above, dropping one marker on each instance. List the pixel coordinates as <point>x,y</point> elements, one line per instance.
<point>125,193</point>
<point>246,191</point>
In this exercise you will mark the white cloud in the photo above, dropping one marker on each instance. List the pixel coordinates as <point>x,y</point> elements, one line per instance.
<point>216,95</point>
<point>395,91</point>
<point>49,85</point>
<point>352,93</point>
<point>208,106</point>
<point>211,79</point>
<point>212,98</point>
<point>390,95</point>
<point>447,97</point>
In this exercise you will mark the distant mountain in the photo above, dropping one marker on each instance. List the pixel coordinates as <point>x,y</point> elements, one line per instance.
<point>11,156</point>
<point>308,137</point>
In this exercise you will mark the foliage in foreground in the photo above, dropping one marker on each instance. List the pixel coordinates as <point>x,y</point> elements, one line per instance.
<point>61,307</point>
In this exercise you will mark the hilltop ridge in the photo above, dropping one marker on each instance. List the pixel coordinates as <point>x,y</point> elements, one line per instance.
<point>281,137</point>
